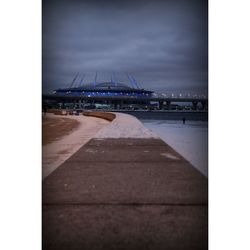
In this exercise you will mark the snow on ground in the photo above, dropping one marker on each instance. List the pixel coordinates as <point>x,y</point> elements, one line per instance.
<point>190,140</point>
<point>125,126</point>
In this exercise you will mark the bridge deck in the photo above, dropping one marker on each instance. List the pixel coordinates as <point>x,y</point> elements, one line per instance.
<point>125,98</point>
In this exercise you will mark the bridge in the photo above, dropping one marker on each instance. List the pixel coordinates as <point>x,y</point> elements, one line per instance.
<point>120,101</point>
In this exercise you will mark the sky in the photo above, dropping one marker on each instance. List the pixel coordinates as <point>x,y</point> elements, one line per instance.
<point>163,44</point>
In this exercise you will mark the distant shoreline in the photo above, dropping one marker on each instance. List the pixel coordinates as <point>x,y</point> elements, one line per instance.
<point>168,115</point>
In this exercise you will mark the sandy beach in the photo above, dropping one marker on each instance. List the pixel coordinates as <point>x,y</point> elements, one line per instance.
<point>63,136</point>
<point>54,128</point>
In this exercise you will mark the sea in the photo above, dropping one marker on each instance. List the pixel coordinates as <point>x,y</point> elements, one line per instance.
<point>189,139</point>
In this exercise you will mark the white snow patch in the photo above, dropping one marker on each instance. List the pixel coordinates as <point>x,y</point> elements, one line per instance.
<point>90,151</point>
<point>168,155</point>
<point>125,126</point>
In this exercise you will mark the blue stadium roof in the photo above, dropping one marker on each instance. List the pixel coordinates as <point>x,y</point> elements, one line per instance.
<point>104,87</point>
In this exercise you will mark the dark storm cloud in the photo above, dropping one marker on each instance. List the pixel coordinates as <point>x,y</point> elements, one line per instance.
<point>162,43</point>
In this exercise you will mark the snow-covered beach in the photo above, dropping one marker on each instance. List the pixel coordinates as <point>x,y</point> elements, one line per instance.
<point>190,140</point>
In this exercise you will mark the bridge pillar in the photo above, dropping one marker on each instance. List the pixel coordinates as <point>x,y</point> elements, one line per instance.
<point>204,105</point>
<point>121,104</point>
<point>115,104</point>
<point>195,105</point>
<point>168,103</point>
<point>80,104</point>
<point>160,104</point>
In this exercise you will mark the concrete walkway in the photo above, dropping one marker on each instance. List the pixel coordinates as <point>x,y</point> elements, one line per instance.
<point>125,193</point>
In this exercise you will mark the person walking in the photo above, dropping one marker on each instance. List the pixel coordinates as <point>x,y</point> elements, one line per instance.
<point>183,120</point>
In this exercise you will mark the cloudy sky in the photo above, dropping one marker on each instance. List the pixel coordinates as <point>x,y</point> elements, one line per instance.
<point>163,44</point>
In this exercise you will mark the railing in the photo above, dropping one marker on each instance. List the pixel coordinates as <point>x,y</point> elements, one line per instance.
<point>130,95</point>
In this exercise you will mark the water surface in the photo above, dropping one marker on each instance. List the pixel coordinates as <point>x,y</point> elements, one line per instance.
<point>190,140</point>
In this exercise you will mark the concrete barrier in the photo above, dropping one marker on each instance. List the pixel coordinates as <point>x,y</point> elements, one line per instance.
<point>103,115</point>
<point>58,111</point>
<point>51,111</point>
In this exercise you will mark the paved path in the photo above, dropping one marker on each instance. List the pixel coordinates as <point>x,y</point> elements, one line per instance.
<point>125,194</point>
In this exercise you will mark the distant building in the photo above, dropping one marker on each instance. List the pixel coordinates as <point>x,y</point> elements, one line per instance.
<point>105,89</point>
<point>100,95</point>
<point>115,95</point>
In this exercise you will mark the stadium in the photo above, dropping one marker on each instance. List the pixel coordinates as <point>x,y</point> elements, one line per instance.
<point>114,94</point>
<point>105,89</point>
<point>109,93</point>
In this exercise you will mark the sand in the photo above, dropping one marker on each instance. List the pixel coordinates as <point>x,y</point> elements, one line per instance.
<point>63,136</point>
<point>54,128</point>
<point>78,130</point>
